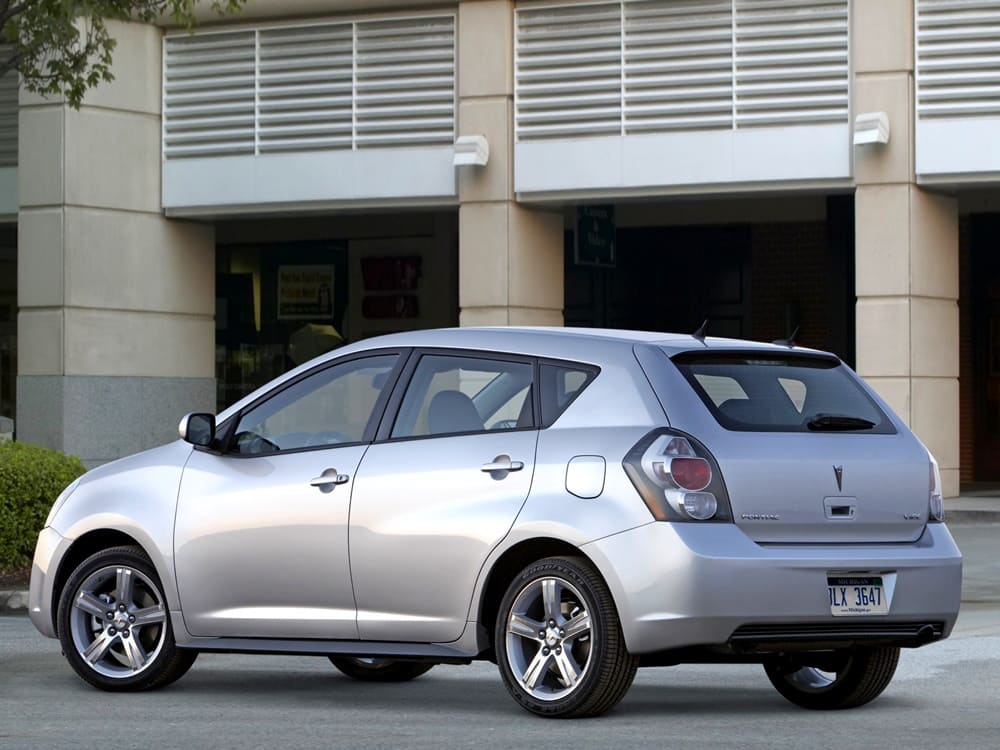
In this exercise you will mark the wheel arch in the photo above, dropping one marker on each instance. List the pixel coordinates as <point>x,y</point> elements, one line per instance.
<point>82,548</point>
<point>505,569</point>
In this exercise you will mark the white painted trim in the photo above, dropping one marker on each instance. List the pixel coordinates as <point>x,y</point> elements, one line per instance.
<point>672,163</point>
<point>958,150</point>
<point>239,184</point>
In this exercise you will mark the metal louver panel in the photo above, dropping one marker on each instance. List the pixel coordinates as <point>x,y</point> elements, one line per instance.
<point>405,82</point>
<point>661,66</point>
<point>304,84</point>
<point>958,58</point>
<point>208,94</point>
<point>8,119</point>
<point>568,71</point>
<point>678,65</point>
<point>310,87</point>
<point>791,61</point>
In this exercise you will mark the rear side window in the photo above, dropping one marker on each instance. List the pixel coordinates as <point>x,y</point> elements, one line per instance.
<point>560,384</point>
<point>763,392</point>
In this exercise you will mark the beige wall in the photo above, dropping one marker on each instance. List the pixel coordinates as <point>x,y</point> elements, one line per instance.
<point>510,256</point>
<point>108,290</point>
<point>906,241</point>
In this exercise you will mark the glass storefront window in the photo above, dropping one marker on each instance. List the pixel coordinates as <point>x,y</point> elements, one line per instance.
<point>277,306</point>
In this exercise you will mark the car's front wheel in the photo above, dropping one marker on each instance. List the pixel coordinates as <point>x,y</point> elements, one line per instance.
<point>114,625</point>
<point>839,679</point>
<point>380,670</point>
<point>559,643</point>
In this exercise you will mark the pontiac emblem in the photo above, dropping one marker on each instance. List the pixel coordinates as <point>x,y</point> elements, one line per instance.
<point>838,472</point>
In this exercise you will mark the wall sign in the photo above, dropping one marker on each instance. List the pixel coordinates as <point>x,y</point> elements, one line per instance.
<point>305,292</point>
<point>595,236</point>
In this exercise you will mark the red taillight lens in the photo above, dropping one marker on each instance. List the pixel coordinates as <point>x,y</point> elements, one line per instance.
<point>690,473</point>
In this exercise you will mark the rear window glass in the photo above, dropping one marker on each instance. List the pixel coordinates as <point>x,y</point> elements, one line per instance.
<point>763,392</point>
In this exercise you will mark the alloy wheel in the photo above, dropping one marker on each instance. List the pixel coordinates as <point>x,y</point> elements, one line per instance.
<point>118,621</point>
<point>548,638</point>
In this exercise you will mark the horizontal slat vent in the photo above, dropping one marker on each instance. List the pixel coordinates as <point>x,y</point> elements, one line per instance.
<point>8,119</point>
<point>342,85</point>
<point>569,74</point>
<point>208,94</point>
<point>304,85</point>
<point>958,58</point>
<point>654,66</point>
<point>678,65</point>
<point>405,87</point>
<point>791,61</point>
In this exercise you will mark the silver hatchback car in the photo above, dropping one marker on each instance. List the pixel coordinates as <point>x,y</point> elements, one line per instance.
<point>570,504</point>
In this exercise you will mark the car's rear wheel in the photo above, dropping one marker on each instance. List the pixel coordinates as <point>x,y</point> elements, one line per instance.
<point>380,670</point>
<point>559,643</point>
<point>840,679</point>
<point>114,626</point>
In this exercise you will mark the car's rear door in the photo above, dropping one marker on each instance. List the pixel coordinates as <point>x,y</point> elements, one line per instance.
<point>438,491</point>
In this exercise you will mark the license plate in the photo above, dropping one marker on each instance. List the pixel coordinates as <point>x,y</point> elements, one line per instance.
<point>851,596</point>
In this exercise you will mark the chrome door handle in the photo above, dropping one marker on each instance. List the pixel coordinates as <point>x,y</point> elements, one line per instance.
<point>502,463</point>
<point>328,479</point>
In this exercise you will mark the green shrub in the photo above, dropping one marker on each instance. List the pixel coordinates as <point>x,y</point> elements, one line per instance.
<point>31,478</point>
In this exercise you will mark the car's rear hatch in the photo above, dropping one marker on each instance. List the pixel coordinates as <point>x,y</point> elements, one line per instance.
<point>807,454</point>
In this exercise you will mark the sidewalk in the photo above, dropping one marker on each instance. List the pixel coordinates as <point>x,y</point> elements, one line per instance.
<point>974,521</point>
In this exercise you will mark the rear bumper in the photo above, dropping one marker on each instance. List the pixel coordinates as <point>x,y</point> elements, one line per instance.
<point>689,585</point>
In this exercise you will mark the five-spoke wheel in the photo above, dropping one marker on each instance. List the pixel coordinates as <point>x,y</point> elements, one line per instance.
<point>114,626</point>
<point>559,643</point>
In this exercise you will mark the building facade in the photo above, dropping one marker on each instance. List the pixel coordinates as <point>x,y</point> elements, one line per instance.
<point>312,171</point>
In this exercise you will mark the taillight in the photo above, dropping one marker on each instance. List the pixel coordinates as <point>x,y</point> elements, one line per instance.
<point>690,473</point>
<point>678,478</point>
<point>935,503</point>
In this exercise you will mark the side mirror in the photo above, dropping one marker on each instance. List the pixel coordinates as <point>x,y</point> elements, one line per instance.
<point>197,428</point>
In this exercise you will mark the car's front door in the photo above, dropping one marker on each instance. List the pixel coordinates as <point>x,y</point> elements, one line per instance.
<point>438,493</point>
<point>261,530</point>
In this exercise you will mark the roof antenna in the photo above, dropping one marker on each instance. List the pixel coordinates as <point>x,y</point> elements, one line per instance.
<point>790,341</point>
<point>700,333</point>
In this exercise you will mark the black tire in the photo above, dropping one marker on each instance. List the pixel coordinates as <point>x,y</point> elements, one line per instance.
<point>380,670</point>
<point>559,643</point>
<point>847,679</point>
<point>132,650</point>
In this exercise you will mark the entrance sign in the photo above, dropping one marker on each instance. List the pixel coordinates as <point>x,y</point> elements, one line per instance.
<point>595,236</point>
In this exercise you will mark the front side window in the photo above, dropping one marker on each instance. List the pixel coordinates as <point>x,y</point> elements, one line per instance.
<point>782,393</point>
<point>451,394</point>
<point>329,407</point>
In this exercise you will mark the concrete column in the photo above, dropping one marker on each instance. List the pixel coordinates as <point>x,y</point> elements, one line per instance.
<point>510,257</point>
<point>906,247</point>
<point>116,303</point>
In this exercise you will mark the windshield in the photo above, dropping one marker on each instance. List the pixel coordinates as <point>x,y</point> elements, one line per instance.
<point>773,392</point>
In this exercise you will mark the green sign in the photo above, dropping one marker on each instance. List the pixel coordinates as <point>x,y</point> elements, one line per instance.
<point>595,236</point>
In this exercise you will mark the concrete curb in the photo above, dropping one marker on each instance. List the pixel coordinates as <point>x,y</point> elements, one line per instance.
<point>13,602</point>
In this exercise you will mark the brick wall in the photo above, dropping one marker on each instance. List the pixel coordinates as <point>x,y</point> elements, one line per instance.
<point>790,277</point>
